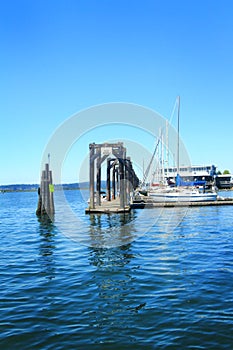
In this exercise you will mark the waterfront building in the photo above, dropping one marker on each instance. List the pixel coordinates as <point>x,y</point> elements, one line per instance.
<point>224,181</point>
<point>206,173</point>
<point>194,172</point>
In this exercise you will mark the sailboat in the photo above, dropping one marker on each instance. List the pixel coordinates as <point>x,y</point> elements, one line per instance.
<point>182,192</point>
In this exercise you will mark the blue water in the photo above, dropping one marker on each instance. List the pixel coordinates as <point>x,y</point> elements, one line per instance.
<point>170,287</point>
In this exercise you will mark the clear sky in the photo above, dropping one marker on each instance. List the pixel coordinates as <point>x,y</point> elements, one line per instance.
<point>61,56</point>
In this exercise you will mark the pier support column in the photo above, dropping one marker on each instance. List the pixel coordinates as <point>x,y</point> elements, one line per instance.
<point>108,179</point>
<point>122,183</point>
<point>114,182</point>
<point>129,179</point>
<point>98,177</point>
<point>92,176</point>
<point>119,181</point>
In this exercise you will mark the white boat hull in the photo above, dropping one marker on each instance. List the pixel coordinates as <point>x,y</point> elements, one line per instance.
<point>182,196</point>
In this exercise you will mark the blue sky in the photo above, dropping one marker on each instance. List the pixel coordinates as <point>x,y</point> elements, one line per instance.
<point>60,57</point>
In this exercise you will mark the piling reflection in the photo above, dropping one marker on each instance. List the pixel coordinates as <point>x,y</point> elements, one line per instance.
<point>114,280</point>
<point>47,247</point>
<point>111,258</point>
<point>111,230</point>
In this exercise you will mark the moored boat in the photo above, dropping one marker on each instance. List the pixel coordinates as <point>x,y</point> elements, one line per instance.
<point>180,194</point>
<point>182,191</point>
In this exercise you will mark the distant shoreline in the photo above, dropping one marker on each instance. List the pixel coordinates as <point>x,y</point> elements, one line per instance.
<point>34,187</point>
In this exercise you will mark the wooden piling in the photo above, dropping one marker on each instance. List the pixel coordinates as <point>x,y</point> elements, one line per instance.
<point>92,176</point>
<point>114,172</point>
<point>45,192</point>
<point>98,177</point>
<point>121,176</point>
<point>108,179</point>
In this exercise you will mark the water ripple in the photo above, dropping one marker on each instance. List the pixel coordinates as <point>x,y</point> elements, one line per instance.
<point>164,290</point>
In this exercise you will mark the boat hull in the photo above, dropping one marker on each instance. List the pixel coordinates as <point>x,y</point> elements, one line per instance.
<point>183,197</point>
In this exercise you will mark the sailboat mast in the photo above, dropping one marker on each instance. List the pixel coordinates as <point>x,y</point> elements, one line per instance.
<point>167,150</point>
<point>178,138</point>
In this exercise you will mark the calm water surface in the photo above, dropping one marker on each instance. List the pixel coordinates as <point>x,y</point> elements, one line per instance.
<point>165,289</point>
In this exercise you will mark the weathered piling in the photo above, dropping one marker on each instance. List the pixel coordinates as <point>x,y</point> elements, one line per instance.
<point>121,178</point>
<point>45,192</point>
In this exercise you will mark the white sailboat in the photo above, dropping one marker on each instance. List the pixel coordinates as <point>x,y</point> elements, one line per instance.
<point>181,193</point>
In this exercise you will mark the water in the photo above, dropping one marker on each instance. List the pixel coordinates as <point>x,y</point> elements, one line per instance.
<point>165,289</point>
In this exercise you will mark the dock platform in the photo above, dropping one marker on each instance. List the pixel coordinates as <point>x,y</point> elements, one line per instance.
<point>109,207</point>
<point>149,203</point>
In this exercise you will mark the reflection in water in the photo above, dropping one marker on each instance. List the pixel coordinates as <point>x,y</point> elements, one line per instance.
<point>116,286</point>
<point>168,219</point>
<point>108,229</point>
<point>111,258</point>
<point>111,220</point>
<point>112,276</point>
<point>111,230</point>
<point>47,247</point>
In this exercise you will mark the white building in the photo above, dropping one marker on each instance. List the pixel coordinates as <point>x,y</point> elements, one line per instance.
<point>199,172</point>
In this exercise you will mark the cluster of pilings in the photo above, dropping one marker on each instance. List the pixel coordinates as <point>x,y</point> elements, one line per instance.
<point>45,192</point>
<point>121,177</point>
